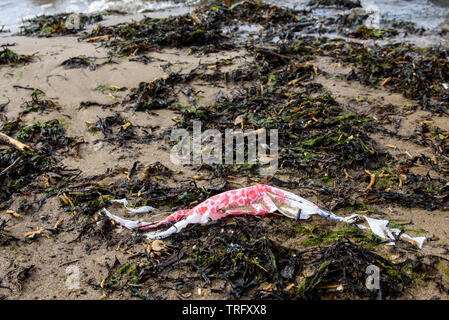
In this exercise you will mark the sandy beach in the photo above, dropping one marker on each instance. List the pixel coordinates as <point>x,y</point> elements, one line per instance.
<point>93,250</point>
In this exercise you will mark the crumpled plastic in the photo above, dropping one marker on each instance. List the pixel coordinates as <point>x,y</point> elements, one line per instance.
<point>255,200</point>
<point>125,202</point>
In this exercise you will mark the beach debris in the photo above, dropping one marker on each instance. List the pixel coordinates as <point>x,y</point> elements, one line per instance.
<point>85,62</point>
<point>249,257</point>
<point>144,209</point>
<point>5,237</point>
<point>14,143</point>
<point>79,62</point>
<point>38,103</point>
<point>58,24</point>
<point>116,129</point>
<point>258,200</point>
<point>2,29</point>
<point>9,57</point>
<point>49,142</point>
<point>98,146</point>
<point>347,4</point>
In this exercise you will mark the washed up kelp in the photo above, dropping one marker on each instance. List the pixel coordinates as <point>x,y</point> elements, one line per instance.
<point>364,32</point>
<point>157,94</point>
<point>315,133</point>
<point>140,37</point>
<point>9,57</point>
<point>22,169</point>
<point>201,28</point>
<point>78,62</point>
<point>417,73</point>
<point>118,130</point>
<point>58,24</point>
<point>38,103</point>
<point>317,136</point>
<point>347,4</point>
<point>5,237</point>
<point>84,62</point>
<point>250,257</point>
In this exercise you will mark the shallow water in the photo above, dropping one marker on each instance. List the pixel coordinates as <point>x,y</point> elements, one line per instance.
<point>430,14</point>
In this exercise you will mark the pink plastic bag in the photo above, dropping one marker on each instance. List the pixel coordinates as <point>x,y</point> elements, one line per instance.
<point>255,200</point>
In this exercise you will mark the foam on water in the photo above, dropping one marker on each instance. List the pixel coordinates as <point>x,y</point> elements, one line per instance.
<point>135,6</point>
<point>13,12</point>
<point>430,14</point>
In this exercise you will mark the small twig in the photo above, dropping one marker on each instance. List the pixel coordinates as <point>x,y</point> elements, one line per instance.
<point>12,165</point>
<point>69,262</point>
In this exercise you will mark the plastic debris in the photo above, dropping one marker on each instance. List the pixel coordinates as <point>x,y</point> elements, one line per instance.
<point>125,202</point>
<point>255,200</point>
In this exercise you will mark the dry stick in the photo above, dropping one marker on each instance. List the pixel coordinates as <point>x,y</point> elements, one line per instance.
<point>4,139</point>
<point>12,165</point>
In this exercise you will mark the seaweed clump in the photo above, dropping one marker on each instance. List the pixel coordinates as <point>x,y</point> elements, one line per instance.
<point>417,73</point>
<point>139,37</point>
<point>57,25</point>
<point>202,29</point>
<point>20,170</point>
<point>5,238</point>
<point>38,103</point>
<point>118,130</point>
<point>364,32</point>
<point>78,62</point>
<point>346,4</point>
<point>244,258</point>
<point>9,57</point>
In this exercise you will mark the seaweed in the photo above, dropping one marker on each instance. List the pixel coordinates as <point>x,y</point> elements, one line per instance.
<point>38,103</point>
<point>50,142</point>
<point>79,62</point>
<point>201,28</point>
<point>144,36</point>
<point>85,62</point>
<point>56,25</point>
<point>244,258</point>
<point>154,95</point>
<point>9,57</point>
<point>364,32</point>
<point>415,72</point>
<point>125,132</point>
<point>347,4</point>
<point>5,238</point>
